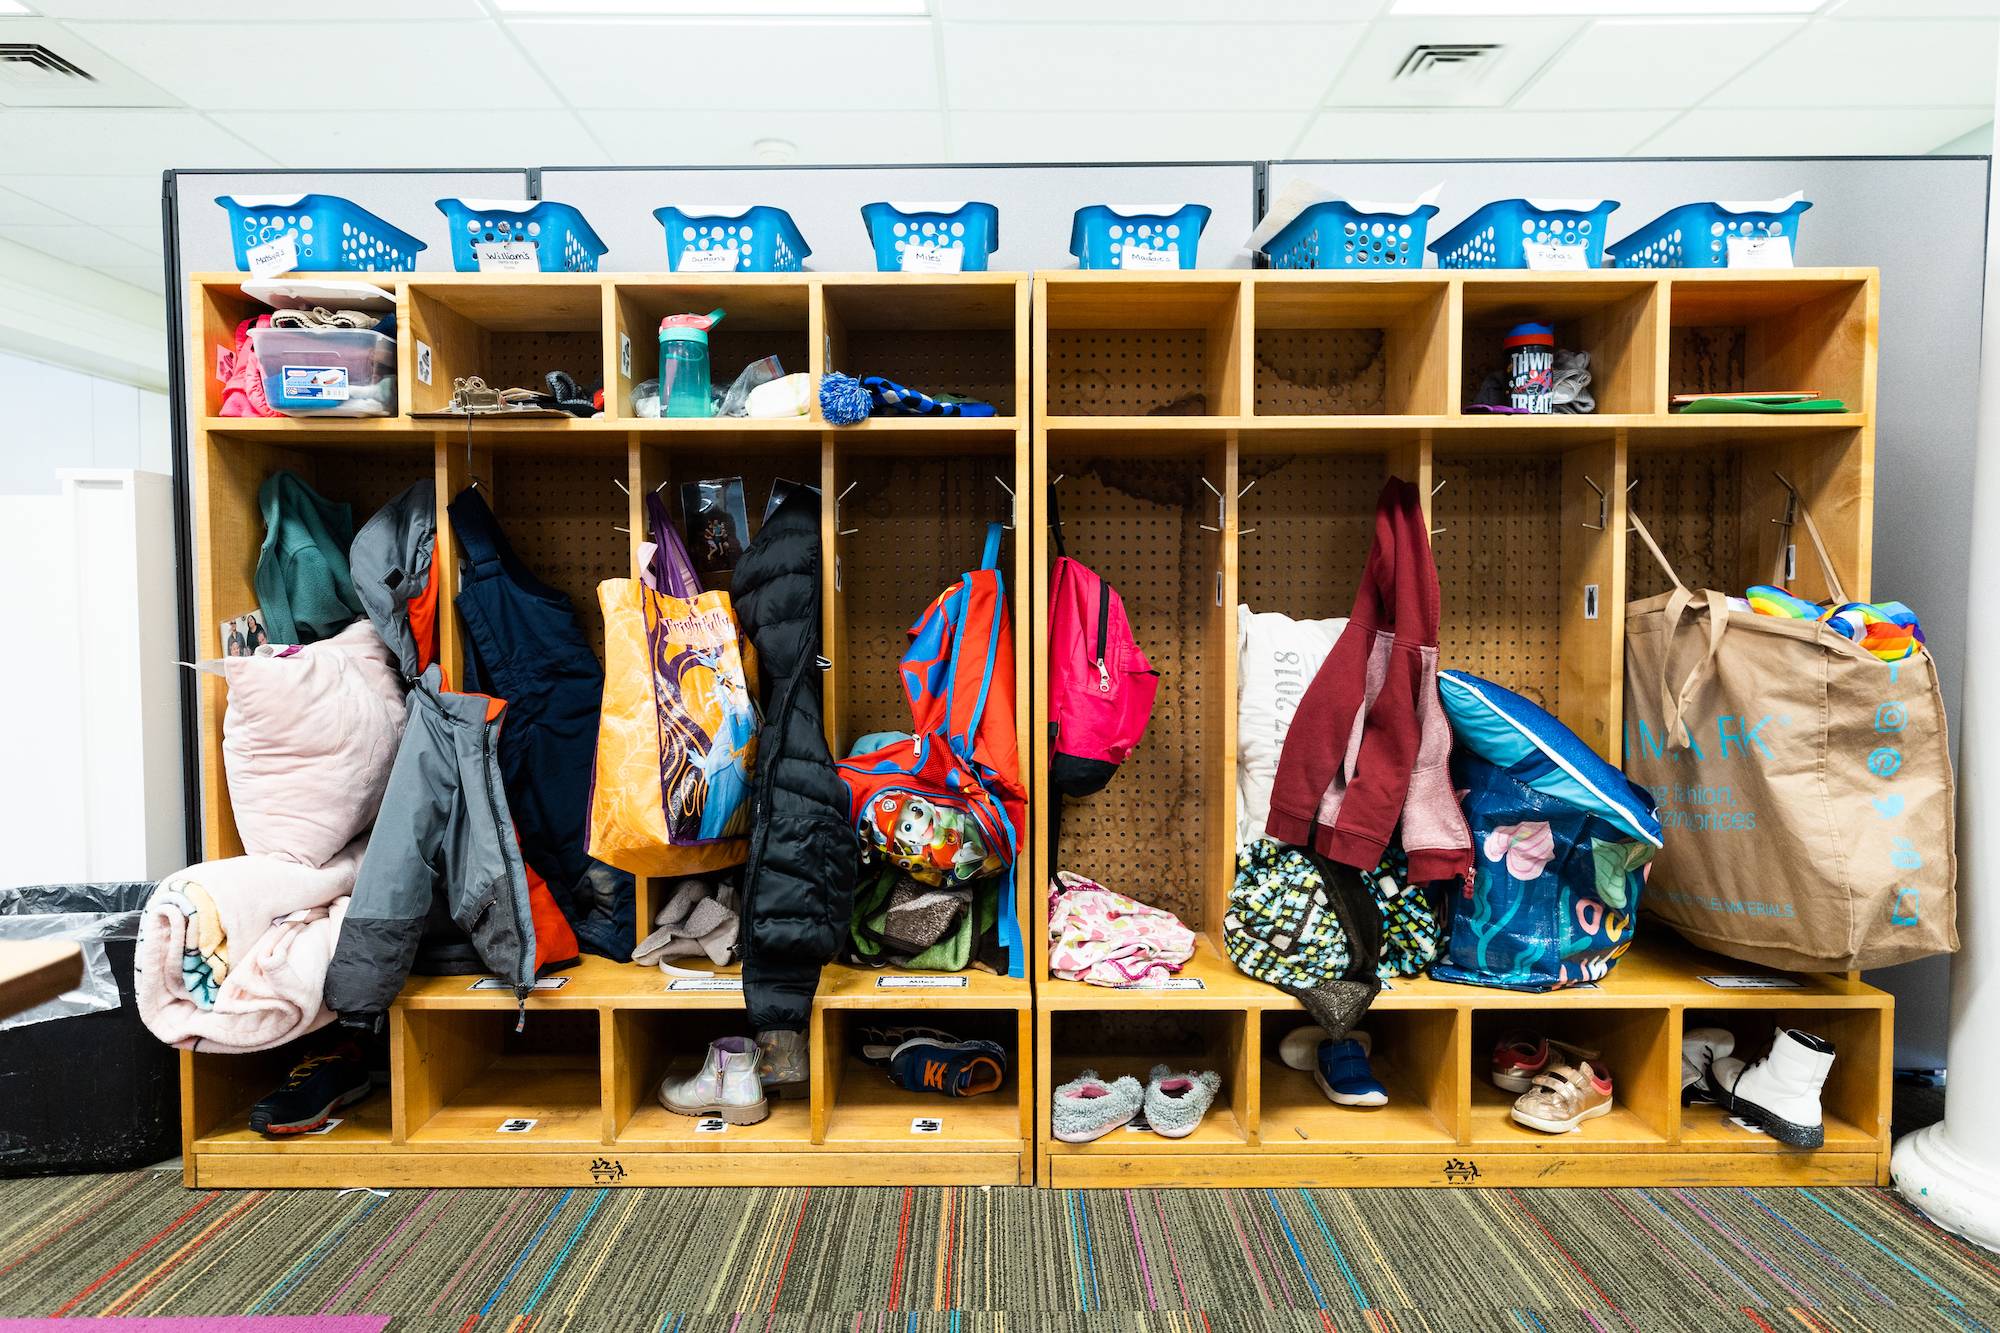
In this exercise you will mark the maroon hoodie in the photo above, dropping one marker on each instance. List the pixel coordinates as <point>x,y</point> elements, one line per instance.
<point>1369,747</point>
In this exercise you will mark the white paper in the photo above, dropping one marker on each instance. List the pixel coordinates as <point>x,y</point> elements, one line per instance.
<point>273,257</point>
<point>1555,256</point>
<point>723,260</point>
<point>1173,983</point>
<point>926,1124</point>
<point>1760,252</point>
<point>328,1127</point>
<point>933,259</point>
<point>498,983</point>
<point>507,256</point>
<point>707,984</point>
<point>712,1125</point>
<point>920,983</point>
<point>517,1125</point>
<point>1145,257</point>
<point>1754,983</point>
<point>625,355</point>
<point>423,363</point>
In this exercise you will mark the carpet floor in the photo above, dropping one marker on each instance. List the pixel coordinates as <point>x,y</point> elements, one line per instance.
<point>974,1260</point>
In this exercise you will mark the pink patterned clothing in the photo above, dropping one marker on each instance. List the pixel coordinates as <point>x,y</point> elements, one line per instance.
<point>1108,939</point>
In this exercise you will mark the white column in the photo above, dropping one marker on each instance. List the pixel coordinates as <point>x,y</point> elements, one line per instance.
<point>1951,1170</point>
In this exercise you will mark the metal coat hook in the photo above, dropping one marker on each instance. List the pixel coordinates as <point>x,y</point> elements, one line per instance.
<point>1013,507</point>
<point>1059,478</point>
<point>1221,508</point>
<point>1791,502</point>
<point>471,477</point>
<point>839,531</point>
<point>1440,486</point>
<point>1603,506</point>
<point>621,486</point>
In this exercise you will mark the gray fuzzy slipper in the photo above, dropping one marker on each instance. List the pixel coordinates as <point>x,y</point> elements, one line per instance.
<point>1176,1103</point>
<point>1088,1108</point>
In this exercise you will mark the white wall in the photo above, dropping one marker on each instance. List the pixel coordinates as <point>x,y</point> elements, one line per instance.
<point>59,418</point>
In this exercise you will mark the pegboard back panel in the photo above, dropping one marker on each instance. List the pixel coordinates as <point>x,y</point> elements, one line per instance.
<point>1304,531</point>
<point>921,524</point>
<point>972,363</point>
<point>1692,501</point>
<point>1135,522</point>
<point>1129,373</point>
<point>1712,359</point>
<point>1321,372</point>
<point>369,479</point>
<point>562,516</point>
<point>758,471</point>
<point>524,360</point>
<point>1499,562</point>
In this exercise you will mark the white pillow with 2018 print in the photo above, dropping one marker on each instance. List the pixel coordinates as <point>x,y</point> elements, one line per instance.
<point>1277,658</point>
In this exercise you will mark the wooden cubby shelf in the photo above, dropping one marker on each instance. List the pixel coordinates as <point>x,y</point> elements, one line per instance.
<point>1220,440</point>
<point>918,494</point>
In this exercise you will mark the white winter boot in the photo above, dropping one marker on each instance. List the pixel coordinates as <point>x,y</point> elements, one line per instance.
<point>1701,1047</point>
<point>1781,1091</point>
<point>727,1085</point>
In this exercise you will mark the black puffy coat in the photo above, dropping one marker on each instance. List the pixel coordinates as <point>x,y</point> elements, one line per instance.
<point>798,885</point>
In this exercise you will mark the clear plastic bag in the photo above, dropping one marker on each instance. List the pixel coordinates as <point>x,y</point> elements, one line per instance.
<point>86,915</point>
<point>735,402</point>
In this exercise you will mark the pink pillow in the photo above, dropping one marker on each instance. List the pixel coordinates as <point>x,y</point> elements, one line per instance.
<point>308,740</point>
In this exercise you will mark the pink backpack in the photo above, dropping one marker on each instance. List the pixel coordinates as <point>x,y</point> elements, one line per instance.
<point>1101,686</point>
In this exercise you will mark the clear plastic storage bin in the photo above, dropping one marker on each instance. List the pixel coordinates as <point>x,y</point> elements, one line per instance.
<point>1503,234</point>
<point>732,238</point>
<point>327,372</point>
<point>333,235</point>
<point>502,230</point>
<point>932,238</point>
<point>1137,237</point>
<point>1335,234</point>
<point>1700,235</point>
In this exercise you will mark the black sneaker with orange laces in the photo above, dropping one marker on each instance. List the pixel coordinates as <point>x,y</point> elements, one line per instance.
<point>316,1088</point>
<point>950,1069</point>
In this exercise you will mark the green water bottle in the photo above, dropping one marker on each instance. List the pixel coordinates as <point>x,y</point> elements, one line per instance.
<point>684,384</point>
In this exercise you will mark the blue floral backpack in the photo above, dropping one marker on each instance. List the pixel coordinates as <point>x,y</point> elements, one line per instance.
<point>1560,841</point>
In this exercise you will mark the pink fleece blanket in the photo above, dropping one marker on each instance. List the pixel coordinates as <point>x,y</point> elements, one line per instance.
<point>232,954</point>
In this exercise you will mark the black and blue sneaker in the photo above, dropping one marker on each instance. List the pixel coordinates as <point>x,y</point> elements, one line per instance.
<point>316,1088</point>
<point>950,1069</point>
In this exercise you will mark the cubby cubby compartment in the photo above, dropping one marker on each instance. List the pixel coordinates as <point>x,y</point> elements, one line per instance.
<point>649,1046</point>
<point>216,1111</point>
<point>1305,522</point>
<point>1772,334</point>
<point>1414,1055</point>
<point>1119,348</point>
<point>1613,320</point>
<point>561,510</point>
<point>962,338</point>
<point>480,1083</point>
<point>1131,1042</point>
<point>509,334</point>
<point>1854,1101</point>
<point>1350,349</point>
<point>1635,1044</point>
<point>868,1111</point>
<point>761,317</point>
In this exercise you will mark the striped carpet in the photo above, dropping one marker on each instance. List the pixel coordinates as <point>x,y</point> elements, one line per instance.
<point>973,1260</point>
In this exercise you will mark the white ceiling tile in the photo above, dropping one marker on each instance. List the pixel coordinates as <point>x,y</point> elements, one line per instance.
<point>1167,136</point>
<point>1813,132</point>
<point>1662,63</point>
<point>1156,11</point>
<point>144,237</point>
<point>415,65</point>
<point>1525,45</point>
<point>886,65</point>
<point>1145,67</point>
<point>22,210</point>
<point>1873,64</point>
<point>235,11</point>
<point>1394,135</point>
<point>150,277</point>
<point>87,247</point>
<point>110,83</point>
<point>94,143</point>
<point>728,138</point>
<point>435,139</point>
<point>1914,9</point>
<point>107,200</point>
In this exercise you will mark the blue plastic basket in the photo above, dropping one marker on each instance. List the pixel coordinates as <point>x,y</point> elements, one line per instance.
<point>896,228</point>
<point>334,235</point>
<point>564,242</point>
<point>1697,235</point>
<point>1335,235</point>
<point>764,239</point>
<point>1102,236</point>
<point>1497,235</point>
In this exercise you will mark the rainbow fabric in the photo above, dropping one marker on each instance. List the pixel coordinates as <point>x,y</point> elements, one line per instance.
<point>1889,630</point>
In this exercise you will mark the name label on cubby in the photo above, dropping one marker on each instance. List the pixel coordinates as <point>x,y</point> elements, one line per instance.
<point>1555,256</point>
<point>712,1125</point>
<point>423,363</point>
<point>507,256</point>
<point>1760,252</point>
<point>933,259</point>
<point>1174,983</point>
<point>517,1125</point>
<point>1134,256</point>
<point>920,983</point>
<point>708,261</point>
<point>500,983</point>
<point>927,1124</point>
<point>1754,983</point>
<point>706,983</point>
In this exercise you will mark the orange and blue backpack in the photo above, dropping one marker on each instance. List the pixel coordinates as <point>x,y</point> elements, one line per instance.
<point>947,806</point>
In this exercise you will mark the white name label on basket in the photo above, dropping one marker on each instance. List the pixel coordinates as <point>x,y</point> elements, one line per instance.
<point>724,260</point>
<point>921,983</point>
<point>927,1124</point>
<point>1760,252</point>
<point>507,256</point>
<point>713,1125</point>
<point>933,259</point>
<point>501,983</point>
<point>320,384</point>
<point>706,983</point>
<point>273,257</point>
<point>1174,983</point>
<point>1555,255</point>
<point>1134,256</point>
<point>1754,983</point>
<point>518,1125</point>
<point>423,363</point>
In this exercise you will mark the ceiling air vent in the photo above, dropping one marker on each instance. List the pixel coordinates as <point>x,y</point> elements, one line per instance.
<point>31,62</point>
<point>1447,62</point>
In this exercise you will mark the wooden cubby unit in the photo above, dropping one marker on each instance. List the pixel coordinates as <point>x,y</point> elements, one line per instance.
<point>1321,387</point>
<point>569,493</point>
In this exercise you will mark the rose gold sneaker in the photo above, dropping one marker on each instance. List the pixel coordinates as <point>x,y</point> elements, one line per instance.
<point>1563,1097</point>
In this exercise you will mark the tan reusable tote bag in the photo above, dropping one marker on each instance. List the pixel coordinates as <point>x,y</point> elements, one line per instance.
<point>1804,785</point>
